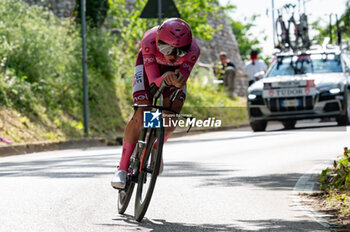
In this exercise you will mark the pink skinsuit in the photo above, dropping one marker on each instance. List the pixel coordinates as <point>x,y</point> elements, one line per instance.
<point>149,68</point>
<point>151,65</point>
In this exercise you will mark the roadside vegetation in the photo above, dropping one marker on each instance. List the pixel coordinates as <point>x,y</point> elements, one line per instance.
<point>335,180</point>
<point>335,184</point>
<point>40,73</point>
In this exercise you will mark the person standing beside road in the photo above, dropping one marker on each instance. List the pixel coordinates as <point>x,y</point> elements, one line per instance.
<point>254,66</point>
<point>228,71</point>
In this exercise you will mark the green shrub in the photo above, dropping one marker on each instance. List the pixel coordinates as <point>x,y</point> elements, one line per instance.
<point>337,177</point>
<point>41,70</point>
<point>41,46</point>
<point>41,50</point>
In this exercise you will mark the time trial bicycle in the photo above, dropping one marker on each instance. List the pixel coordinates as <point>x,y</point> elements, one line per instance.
<point>146,159</point>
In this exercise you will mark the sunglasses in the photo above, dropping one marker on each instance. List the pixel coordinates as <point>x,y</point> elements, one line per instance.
<point>167,49</point>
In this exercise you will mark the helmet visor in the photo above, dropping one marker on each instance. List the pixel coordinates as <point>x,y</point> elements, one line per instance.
<point>167,49</point>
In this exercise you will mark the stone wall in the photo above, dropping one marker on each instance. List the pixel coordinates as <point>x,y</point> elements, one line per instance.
<point>224,41</point>
<point>61,8</point>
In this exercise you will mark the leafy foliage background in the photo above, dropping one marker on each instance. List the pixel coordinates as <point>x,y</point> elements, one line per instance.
<point>40,73</point>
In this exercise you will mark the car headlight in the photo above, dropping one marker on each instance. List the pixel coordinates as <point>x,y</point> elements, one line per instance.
<point>251,96</point>
<point>334,91</point>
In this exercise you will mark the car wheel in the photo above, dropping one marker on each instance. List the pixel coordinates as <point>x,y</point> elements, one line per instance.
<point>344,119</point>
<point>290,124</point>
<point>258,125</point>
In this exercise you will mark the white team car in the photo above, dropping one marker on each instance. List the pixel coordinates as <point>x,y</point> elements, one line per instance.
<point>303,85</point>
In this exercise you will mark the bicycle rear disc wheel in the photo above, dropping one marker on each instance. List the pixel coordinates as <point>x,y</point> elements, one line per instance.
<point>148,175</point>
<point>124,197</point>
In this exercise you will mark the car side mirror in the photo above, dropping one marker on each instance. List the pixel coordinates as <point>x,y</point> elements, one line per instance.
<point>259,75</point>
<point>347,69</point>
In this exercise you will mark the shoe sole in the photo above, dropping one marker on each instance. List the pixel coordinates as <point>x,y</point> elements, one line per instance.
<point>116,186</point>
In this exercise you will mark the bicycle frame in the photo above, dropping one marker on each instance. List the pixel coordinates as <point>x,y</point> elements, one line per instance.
<point>145,163</point>
<point>161,108</point>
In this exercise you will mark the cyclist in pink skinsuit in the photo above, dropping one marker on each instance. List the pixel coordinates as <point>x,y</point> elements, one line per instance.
<point>168,52</point>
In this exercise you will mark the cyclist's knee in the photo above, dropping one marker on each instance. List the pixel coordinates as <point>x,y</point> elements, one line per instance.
<point>138,115</point>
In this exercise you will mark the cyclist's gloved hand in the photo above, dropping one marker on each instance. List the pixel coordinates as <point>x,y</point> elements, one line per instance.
<point>169,77</point>
<point>180,81</point>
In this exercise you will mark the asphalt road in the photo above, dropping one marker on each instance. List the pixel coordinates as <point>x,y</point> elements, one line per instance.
<point>222,181</point>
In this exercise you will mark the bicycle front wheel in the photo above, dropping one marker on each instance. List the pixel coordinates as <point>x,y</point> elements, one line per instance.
<point>149,173</point>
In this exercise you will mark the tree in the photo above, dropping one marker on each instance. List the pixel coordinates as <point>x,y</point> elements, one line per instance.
<point>345,21</point>
<point>246,40</point>
<point>324,31</point>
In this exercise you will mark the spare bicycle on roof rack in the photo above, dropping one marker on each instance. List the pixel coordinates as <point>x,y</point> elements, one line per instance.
<point>292,34</point>
<point>304,80</point>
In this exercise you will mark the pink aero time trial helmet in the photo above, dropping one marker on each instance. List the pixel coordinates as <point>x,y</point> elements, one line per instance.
<point>176,33</point>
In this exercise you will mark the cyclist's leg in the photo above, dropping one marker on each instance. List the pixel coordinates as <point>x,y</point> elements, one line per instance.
<point>131,134</point>
<point>141,96</point>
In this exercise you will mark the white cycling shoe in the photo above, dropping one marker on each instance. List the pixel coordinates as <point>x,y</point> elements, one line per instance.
<point>119,179</point>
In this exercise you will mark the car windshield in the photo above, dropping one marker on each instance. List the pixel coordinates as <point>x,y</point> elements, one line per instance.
<point>302,64</point>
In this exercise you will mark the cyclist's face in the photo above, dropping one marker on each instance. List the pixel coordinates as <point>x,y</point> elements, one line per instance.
<point>171,59</point>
